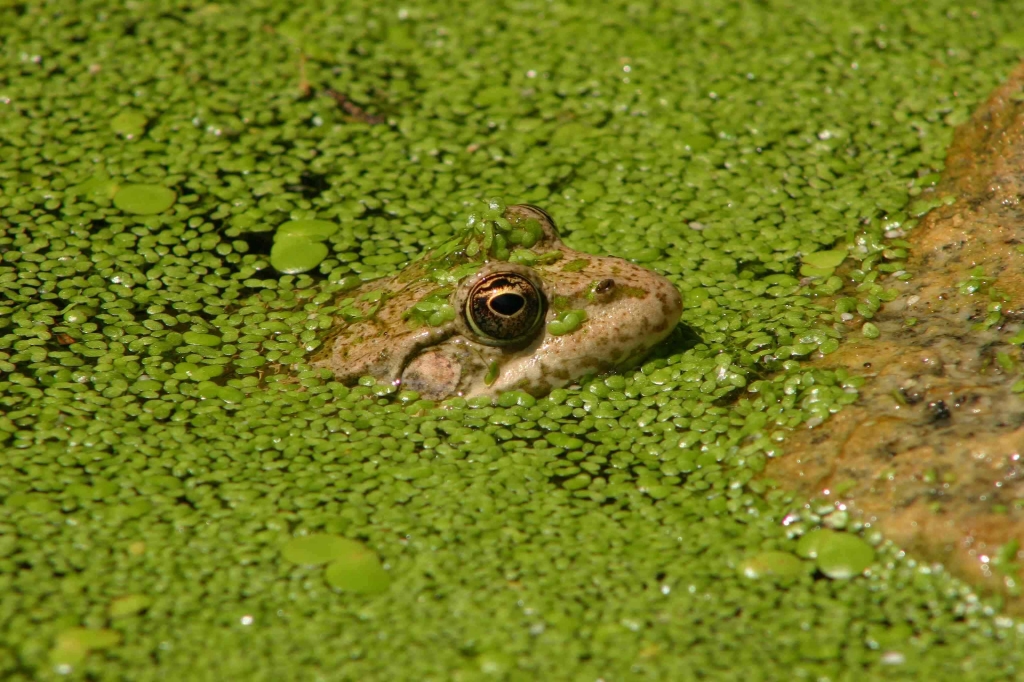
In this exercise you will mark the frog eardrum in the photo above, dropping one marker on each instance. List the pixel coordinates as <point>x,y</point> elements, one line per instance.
<point>502,305</point>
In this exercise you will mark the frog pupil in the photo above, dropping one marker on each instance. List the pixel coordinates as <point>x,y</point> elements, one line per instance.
<point>507,304</point>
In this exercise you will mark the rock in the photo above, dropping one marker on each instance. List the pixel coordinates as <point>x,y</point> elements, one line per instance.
<point>931,452</point>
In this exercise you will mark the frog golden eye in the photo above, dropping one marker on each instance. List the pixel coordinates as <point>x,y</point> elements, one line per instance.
<point>504,308</point>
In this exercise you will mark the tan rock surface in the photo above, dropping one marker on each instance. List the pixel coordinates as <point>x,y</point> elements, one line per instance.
<point>931,452</point>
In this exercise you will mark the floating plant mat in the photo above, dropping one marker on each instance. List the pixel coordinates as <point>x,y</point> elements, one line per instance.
<point>185,189</point>
<point>932,453</point>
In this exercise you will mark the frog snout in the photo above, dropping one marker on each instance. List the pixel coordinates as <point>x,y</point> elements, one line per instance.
<point>667,306</point>
<point>631,312</point>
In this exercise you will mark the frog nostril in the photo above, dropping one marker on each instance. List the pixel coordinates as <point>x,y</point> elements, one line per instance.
<point>604,286</point>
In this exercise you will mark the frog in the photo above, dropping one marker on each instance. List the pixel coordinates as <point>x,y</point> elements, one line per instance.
<point>503,305</point>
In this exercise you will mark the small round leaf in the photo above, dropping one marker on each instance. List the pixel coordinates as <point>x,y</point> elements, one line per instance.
<point>144,199</point>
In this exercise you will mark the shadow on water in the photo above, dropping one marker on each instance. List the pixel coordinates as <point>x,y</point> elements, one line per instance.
<point>682,339</point>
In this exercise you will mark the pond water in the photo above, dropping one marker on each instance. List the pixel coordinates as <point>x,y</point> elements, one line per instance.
<point>173,509</point>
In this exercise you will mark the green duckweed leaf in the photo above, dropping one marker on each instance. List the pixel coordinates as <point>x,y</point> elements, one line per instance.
<point>292,255</point>
<point>144,199</point>
<point>128,605</point>
<point>825,260</point>
<point>358,571</point>
<point>310,230</point>
<point>129,123</point>
<point>319,548</point>
<point>772,565</point>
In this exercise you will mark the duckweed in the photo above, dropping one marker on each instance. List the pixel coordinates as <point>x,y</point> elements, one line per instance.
<point>144,199</point>
<point>772,565</point>
<point>838,555</point>
<point>298,245</point>
<point>829,260</point>
<point>73,645</point>
<point>318,548</point>
<point>164,440</point>
<point>433,309</point>
<point>129,123</point>
<point>493,371</point>
<point>822,263</point>
<point>567,322</point>
<point>357,571</point>
<point>129,605</point>
<point>199,339</point>
<point>313,230</point>
<point>292,255</point>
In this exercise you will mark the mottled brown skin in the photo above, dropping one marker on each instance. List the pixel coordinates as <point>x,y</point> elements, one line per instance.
<point>933,447</point>
<point>629,309</point>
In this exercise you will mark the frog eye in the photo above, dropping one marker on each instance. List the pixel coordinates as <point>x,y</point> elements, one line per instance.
<point>504,308</point>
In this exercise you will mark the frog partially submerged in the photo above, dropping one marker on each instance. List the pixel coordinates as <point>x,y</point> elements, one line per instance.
<point>504,305</point>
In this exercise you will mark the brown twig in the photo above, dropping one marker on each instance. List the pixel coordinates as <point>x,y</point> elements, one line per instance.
<point>353,109</point>
<point>304,85</point>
